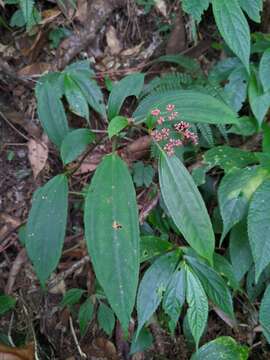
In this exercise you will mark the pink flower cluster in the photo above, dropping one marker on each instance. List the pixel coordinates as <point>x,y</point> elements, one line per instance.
<point>163,134</point>
<point>182,128</point>
<point>169,147</point>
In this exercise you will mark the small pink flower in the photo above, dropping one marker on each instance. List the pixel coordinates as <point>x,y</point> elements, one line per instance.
<point>155,112</point>
<point>168,148</point>
<point>160,120</point>
<point>165,133</point>
<point>170,107</point>
<point>181,126</point>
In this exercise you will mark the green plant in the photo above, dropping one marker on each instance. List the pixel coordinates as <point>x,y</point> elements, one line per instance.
<point>187,115</point>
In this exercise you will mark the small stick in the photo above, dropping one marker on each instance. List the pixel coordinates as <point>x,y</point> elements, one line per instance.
<point>82,354</point>
<point>68,272</point>
<point>13,127</point>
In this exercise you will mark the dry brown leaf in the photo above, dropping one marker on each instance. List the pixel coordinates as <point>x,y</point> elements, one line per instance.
<point>132,51</point>
<point>49,15</point>
<point>161,7</point>
<point>37,154</point>
<point>10,353</point>
<point>81,14</point>
<point>2,3</point>
<point>113,42</point>
<point>35,69</point>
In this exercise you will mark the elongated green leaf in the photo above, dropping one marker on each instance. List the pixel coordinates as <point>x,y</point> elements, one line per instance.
<point>259,101</point>
<point>234,194</point>
<point>259,227</point>
<point>27,9</point>
<point>117,124</point>
<point>112,234</point>
<point>264,70</point>
<point>233,27</point>
<point>51,114</point>
<point>252,8</point>
<point>7,303</point>
<point>224,348</point>
<point>151,246</point>
<point>197,313</point>
<point>46,226</point>
<point>130,85</point>
<point>186,206</point>
<point>174,297</point>
<point>153,285</point>
<point>85,315</point>
<point>75,98</point>
<point>214,286</point>
<point>191,105</point>
<point>236,87</point>
<point>265,314</point>
<point>142,342</point>
<point>224,268</point>
<point>106,319</point>
<point>72,297</point>
<point>229,158</point>
<point>195,8</point>
<point>75,143</point>
<point>240,253</point>
<point>81,74</point>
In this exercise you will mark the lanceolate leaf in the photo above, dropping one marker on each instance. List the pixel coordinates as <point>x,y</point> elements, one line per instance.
<point>259,101</point>
<point>191,105</point>
<point>233,27</point>
<point>174,297</point>
<point>82,75</point>
<point>153,285</point>
<point>75,143</point>
<point>27,9</point>
<point>264,70</point>
<point>259,227</point>
<point>128,86</point>
<point>51,113</point>
<point>117,124</point>
<point>195,8</point>
<point>75,98</point>
<point>186,206</point>
<point>112,234</point>
<point>214,286</point>
<point>265,314</point>
<point>234,194</point>
<point>252,8</point>
<point>197,313</point>
<point>224,348</point>
<point>240,253</point>
<point>47,225</point>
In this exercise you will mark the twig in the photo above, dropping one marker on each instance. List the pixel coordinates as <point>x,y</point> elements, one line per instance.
<point>86,154</point>
<point>148,208</point>
<point>68,272</point>
<point>13,127</point>
<point>81,353</point>
<point>15,269</point>
<point>9,330</point>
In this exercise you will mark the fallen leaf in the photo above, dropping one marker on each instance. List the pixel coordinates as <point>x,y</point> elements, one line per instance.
<point>49,15</point>
<point>161,7</point>
<point>37,154</point>
<point>132,51</point>
<point>81,14</point>
<point>113,42</point>
<point>12,353</point>
<point>35,69</point>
